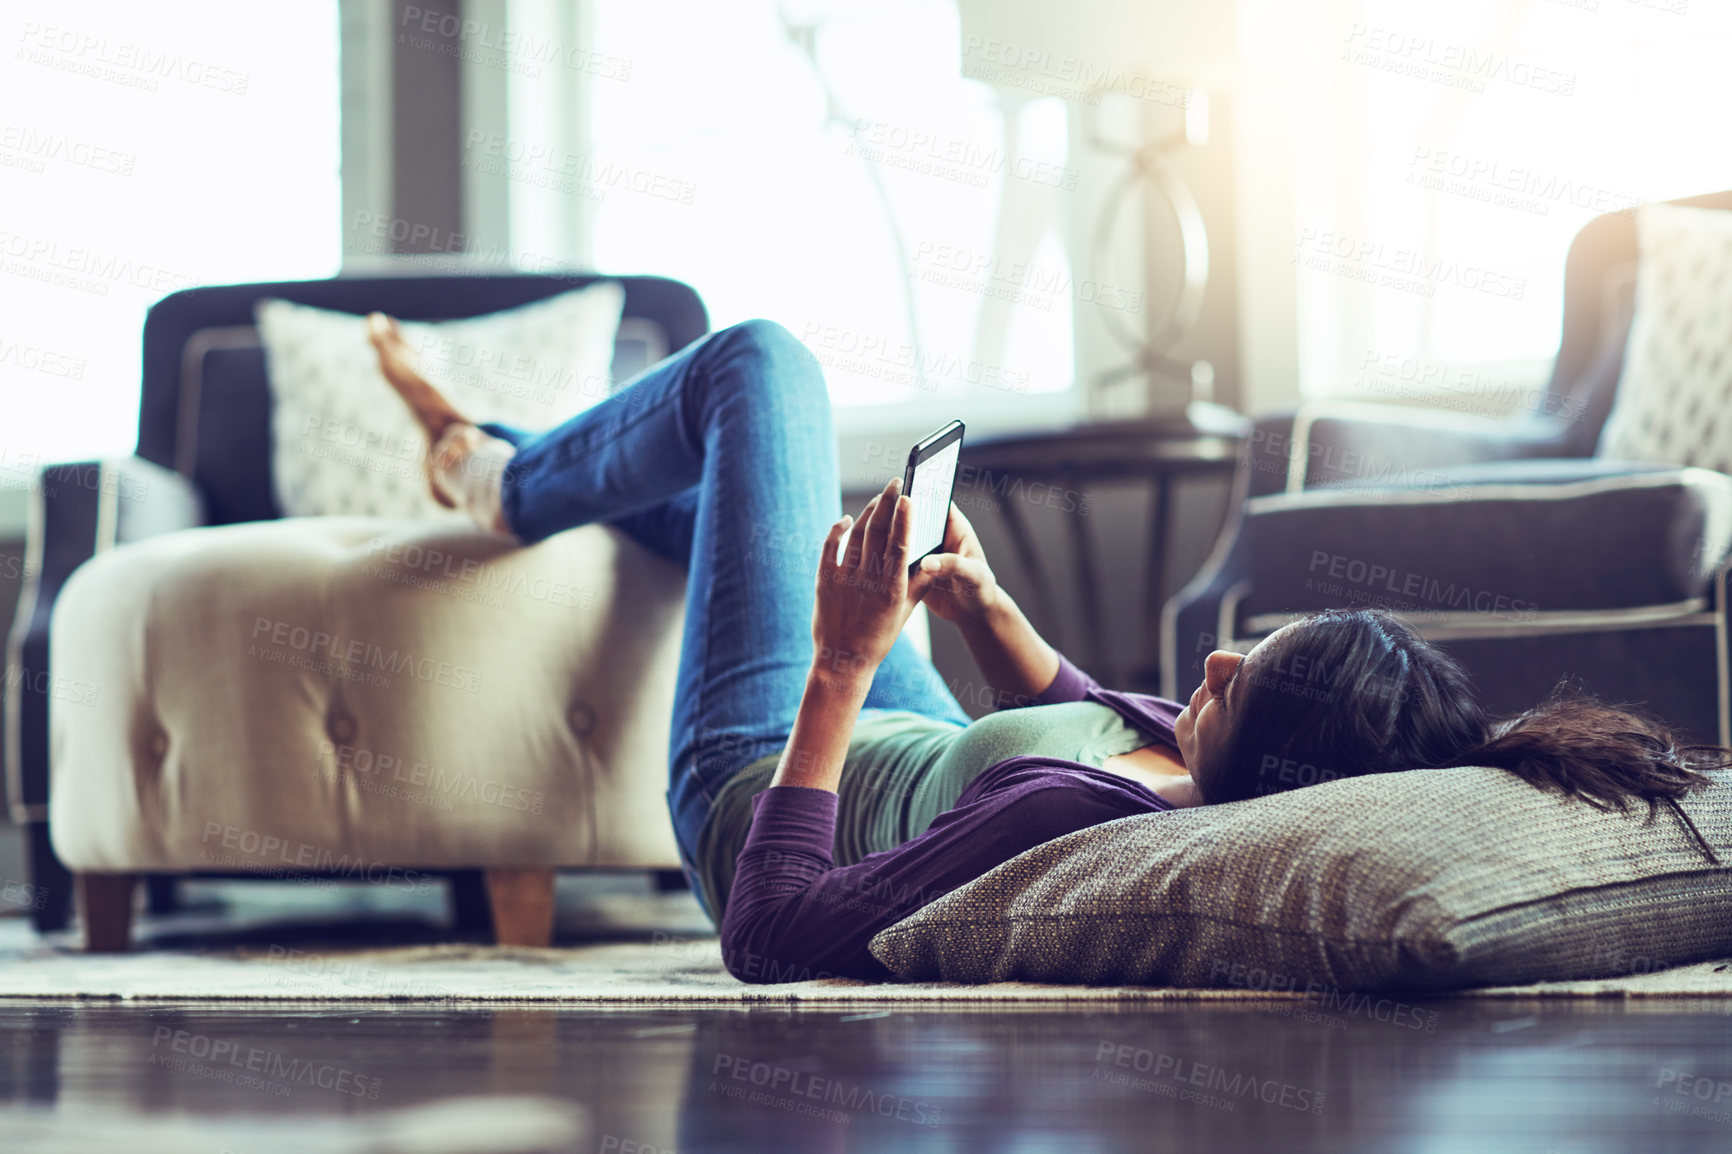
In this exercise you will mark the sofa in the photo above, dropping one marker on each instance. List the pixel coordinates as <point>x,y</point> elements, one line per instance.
<point>198,685</point>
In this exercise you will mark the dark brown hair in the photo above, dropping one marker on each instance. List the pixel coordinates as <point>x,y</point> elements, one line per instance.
<point>1347,692</point>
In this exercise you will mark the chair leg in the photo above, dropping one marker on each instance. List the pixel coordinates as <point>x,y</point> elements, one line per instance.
<point>162,893</point>
<point>471,916</point>
<point>106,901</point>
<point>522,902</point>
<point>51,882</point>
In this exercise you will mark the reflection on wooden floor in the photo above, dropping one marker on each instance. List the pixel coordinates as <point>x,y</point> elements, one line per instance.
<point>1372,1075</point>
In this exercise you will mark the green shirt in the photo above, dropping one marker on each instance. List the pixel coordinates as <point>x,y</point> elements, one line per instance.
<point>904,769</point>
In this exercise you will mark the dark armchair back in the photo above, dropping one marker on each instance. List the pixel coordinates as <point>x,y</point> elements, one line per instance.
<point>205,409</point>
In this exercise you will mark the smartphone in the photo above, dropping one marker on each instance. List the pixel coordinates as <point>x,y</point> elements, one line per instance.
<point>929,483</point>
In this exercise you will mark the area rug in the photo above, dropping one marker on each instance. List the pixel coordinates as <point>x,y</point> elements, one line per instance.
<point>668,970</point>
<point>618,945</point>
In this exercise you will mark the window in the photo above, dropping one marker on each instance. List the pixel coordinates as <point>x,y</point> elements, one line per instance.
<point>828,168</point>
<point>1448,154</point>
<point>145,149</point>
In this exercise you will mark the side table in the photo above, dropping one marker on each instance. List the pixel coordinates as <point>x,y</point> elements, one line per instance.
<point>1206,441</point>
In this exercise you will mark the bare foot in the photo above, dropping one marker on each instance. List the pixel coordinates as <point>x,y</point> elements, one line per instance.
<point>465,465</point>
<point>436,415</point>
<point>469,465</point>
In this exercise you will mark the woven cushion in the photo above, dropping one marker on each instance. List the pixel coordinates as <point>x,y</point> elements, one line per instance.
<point>1424,880</point>
<point>1674,402</point>
<point>343,442</point>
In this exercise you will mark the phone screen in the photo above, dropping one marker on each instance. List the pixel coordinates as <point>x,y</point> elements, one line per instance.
<point>929,493</point>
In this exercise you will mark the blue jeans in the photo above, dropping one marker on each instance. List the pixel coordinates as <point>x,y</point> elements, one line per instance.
<point>722,459</point>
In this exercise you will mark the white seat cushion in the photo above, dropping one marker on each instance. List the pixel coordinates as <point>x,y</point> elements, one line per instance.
<point>360,693</point>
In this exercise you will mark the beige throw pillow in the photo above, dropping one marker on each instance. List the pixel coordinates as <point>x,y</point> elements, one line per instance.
<point>344,444</point>
<point>1674,401</point>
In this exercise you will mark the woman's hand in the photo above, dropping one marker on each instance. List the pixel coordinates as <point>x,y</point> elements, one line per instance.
<point>962,584</point>
<point>864,598</point>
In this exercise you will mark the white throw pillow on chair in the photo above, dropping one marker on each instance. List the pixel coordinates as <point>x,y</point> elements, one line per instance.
<point>1674,401</point>
<point>344,444</point>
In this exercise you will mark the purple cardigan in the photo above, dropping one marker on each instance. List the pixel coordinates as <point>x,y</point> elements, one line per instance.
<point>792,915</point>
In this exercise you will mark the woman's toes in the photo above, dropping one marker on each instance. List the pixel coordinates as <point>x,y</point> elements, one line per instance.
<point>387,340</point>
<point>396,359</point>
<point>397,364</point>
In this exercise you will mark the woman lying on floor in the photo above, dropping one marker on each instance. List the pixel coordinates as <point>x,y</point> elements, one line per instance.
<point>825,783</point>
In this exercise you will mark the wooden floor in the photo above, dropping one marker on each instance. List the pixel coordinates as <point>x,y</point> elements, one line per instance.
<point>1369,1076</point>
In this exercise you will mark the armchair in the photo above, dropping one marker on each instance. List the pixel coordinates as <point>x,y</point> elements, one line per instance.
<point>198,494</point>
<point>1334,442</point>
<point>1506,541</point>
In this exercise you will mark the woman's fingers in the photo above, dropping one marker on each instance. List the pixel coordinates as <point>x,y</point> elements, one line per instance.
<point>956,529</point>
<point>944,566</point>
<point>901,541</point>
<point>880,542</point>
<point>952,572</point>
<point>857,541</point>
<point>878,527</point>
<point>827,560</point>
<point>959,534</point>
<point>922,578</point>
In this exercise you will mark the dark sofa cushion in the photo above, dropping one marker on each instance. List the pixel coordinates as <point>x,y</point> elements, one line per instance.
<point>1515,543</point>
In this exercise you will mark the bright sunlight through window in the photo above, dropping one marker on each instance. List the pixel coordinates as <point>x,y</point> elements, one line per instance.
<point>144,149</point>
<point>830,169</point>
